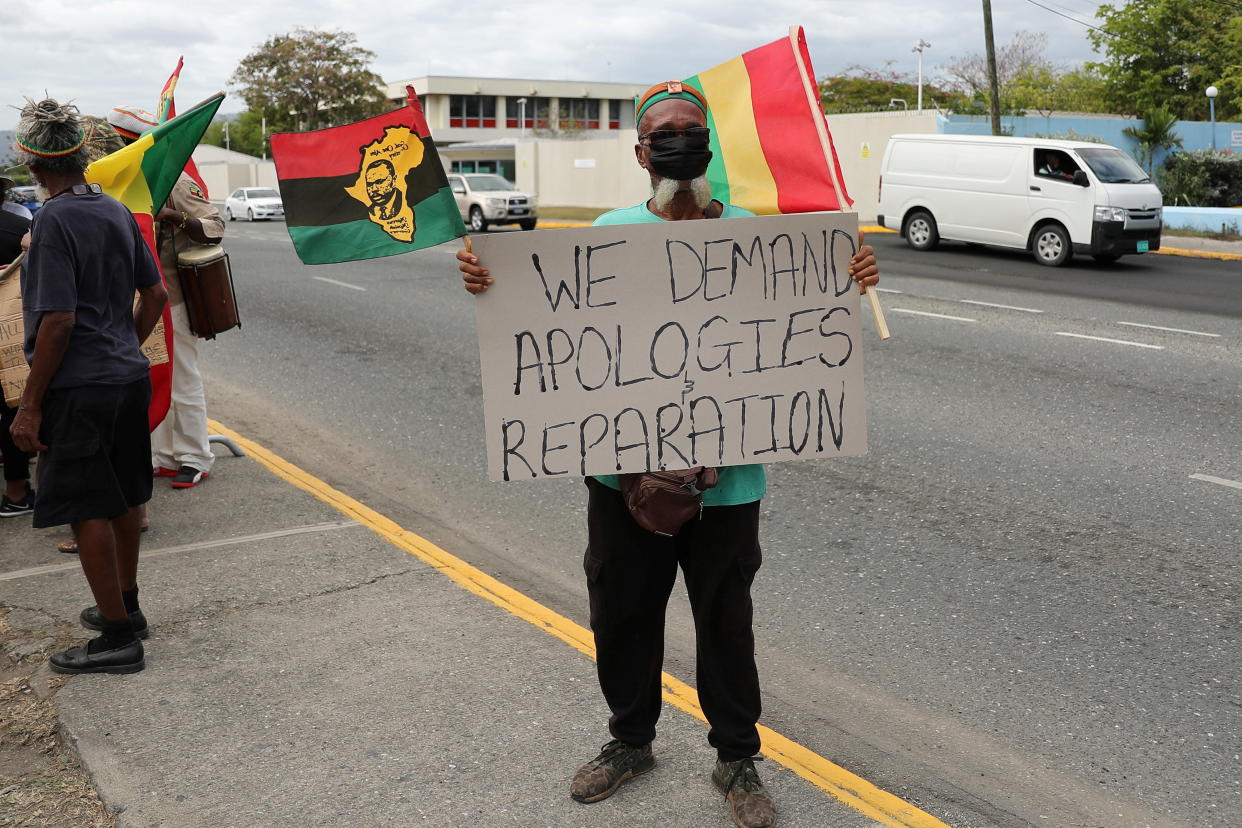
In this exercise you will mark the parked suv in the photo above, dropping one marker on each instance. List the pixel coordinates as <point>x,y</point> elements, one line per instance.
<point>485,199</point>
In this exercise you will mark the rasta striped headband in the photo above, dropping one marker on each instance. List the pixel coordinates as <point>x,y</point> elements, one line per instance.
<point>663,92</point>
<point>46,153</point>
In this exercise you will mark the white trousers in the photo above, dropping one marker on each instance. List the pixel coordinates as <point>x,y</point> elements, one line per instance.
<point>181,439</point>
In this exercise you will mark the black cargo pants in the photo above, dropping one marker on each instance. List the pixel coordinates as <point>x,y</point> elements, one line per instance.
<point>630,575</point>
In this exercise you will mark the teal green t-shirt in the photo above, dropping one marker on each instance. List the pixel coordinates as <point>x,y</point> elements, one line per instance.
<point>738,484</point>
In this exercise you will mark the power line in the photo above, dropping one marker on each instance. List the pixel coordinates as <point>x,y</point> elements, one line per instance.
<point>1084,23</point>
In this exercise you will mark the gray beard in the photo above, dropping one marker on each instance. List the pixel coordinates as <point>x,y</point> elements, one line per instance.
<point>42,193</point>
<point>668,188</point>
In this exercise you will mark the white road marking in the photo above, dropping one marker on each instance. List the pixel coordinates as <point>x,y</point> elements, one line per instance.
<point>339,284</point>
<point>994,305</point>
<point>1220,481</point>
<point>1114,341</point>
<point>1172,330</point>
<point>886,290</point>
<point>937,315</point>
<point>188,547</point>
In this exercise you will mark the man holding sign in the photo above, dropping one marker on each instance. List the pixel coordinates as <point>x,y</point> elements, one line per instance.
<point>631,571</point>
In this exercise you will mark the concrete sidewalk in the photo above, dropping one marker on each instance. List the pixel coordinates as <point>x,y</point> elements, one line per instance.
<point>1181,245</point>
<point>303,671</point>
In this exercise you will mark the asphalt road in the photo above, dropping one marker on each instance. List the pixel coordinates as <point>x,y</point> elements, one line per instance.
<point>1019,609</point>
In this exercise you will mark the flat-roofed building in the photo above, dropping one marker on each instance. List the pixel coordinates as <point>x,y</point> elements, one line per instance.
<point>487,111</point>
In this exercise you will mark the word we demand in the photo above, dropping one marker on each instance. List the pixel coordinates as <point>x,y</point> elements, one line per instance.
<point>669,345</point>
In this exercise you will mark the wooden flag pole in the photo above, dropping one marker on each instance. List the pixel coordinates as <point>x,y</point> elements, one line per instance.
<point>16,263</point>
<point>821,127</point>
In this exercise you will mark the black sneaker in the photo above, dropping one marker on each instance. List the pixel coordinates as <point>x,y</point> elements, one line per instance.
<point>616,763</point>
<point>92,658</point>
<point>188,478</point>
<point>93,620</point>
<point>14,508</point>
<point>750,804</point>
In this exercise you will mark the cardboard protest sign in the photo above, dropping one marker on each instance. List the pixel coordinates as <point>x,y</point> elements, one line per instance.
<point>13,366</point>
<point>671,344</point>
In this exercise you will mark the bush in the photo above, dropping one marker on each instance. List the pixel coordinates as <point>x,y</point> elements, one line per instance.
<point>1202,179</point>
<point>1071,134</point>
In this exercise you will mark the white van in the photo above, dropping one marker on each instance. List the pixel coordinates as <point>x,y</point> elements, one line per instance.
<point>1053,198</point>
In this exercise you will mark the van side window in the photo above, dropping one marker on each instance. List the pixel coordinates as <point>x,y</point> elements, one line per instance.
<point>1054,164</point>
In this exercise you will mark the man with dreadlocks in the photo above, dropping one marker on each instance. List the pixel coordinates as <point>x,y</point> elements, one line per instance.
<point>85,403</point>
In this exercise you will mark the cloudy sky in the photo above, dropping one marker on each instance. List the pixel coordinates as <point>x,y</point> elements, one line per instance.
<point>108,52</point>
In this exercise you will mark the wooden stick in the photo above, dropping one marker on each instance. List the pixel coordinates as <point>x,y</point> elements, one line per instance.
<point>881,326</point>
<point>821,127</point>
<point>16,263</point>
<point>469,244</point>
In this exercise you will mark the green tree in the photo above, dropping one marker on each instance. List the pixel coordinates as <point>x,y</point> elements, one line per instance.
<point>1165,53</point>
<point>862,89</point>
<point>310,79</point>
<point>1154,135</point>
<point>1044,90</point>
<point>245,133</point>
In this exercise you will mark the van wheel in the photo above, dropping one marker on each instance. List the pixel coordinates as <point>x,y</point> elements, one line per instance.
<point>1051,245</point>
<point>921,232</point>
<point>477,223</point>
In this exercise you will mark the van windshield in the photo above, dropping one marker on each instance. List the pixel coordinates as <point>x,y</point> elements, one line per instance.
<point>1112,166</point>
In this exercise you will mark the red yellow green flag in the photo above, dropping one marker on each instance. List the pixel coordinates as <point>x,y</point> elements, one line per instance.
<point>771,149</point>
<point>167,109</point>
<point>141,176</point>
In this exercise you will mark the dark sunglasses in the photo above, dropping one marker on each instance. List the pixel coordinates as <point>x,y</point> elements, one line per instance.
<point>661,134</point>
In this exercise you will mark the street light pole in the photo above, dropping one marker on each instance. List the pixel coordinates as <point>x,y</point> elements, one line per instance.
<point>919,47</point>
<point>521,102</point>
<point>1212,92</point>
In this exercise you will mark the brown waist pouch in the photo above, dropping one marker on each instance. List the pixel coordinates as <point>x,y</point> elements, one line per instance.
<point>663,501</point>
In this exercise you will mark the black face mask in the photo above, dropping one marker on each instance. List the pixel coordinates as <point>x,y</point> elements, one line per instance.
<point>680,157</point>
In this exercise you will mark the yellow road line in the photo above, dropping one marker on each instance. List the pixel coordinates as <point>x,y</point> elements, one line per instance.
<point>1200,254</point>
<point>557,224</point>
<point>850,789</point>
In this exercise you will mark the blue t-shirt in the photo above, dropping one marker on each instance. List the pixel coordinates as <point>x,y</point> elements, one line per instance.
<point>87,256</point>
<point>738,484</point>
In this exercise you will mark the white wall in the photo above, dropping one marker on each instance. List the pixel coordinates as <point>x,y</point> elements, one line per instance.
<point>592,173</point>
<point>222,179</point>
<point>860,139</point>
<point>603,173</point>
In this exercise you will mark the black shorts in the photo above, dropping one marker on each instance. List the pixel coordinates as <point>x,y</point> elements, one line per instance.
<point>98,458</point>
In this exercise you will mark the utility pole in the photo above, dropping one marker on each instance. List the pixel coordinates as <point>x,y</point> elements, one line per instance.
<point>994,86</point>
